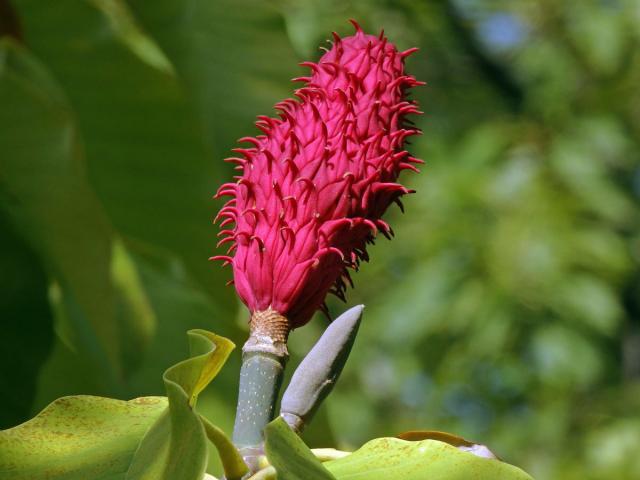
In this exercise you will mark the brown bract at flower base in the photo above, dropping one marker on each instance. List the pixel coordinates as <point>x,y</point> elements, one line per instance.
<point>313,188</point>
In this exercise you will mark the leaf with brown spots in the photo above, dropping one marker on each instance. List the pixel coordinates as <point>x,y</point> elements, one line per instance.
<point>78,437</point>
<point>154,438</point>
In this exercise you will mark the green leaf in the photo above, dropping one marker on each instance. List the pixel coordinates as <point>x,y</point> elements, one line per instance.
<point>232,463</point>
<point>27,325</point>
<point>138,132</point>
<point>81,438</point>
<point>235,56</point>
<point>129,33</point>
<point>176,446</point>
<point>45,193</point>
<point>392,458</point>
<point>207,361</point>
<point>289,455</point>
<point>181,304</point>
<point>156,438</point>
<point>134,309</point>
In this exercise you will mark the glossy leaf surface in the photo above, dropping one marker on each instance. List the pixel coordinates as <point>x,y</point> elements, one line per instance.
<point>396,459</point>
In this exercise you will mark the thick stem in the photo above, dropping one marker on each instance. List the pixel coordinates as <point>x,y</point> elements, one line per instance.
<point>264,357</point>
<point>260,380</point>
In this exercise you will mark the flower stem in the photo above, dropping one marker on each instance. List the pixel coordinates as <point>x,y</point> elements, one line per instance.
<point>264,357</point>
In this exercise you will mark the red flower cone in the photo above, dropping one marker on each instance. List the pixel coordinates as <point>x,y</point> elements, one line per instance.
<point>313,188</point>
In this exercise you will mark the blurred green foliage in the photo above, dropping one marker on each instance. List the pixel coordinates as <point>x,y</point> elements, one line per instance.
<point>507,310</point>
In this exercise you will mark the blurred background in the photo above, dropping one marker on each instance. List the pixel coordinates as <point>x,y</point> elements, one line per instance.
<point>507,308</point>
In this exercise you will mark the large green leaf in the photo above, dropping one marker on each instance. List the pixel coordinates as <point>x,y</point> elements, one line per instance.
<point>235,57</point>
<point>24,307</point>
<point>45,193</point>
<point>289,455</point>
<point>152,171</point>
<point>79,438</point>
<point>147,155</point>
<point>388,458</point>
<point>392,458</point>
<point>157,438</point>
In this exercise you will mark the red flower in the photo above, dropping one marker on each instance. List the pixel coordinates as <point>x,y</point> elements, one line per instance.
<point>314,186</point>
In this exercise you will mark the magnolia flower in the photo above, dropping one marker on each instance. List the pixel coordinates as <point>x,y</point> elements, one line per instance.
<point>312,189</point>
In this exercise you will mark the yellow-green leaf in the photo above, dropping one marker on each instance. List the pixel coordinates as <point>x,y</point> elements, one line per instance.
<point>395,459</point>
<point>176,446</point>
<point>149,438</point>
<point>289,455</point>
<point>78,438</point>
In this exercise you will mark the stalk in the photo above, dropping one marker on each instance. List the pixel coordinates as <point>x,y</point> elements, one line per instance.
<point>264,357</point>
